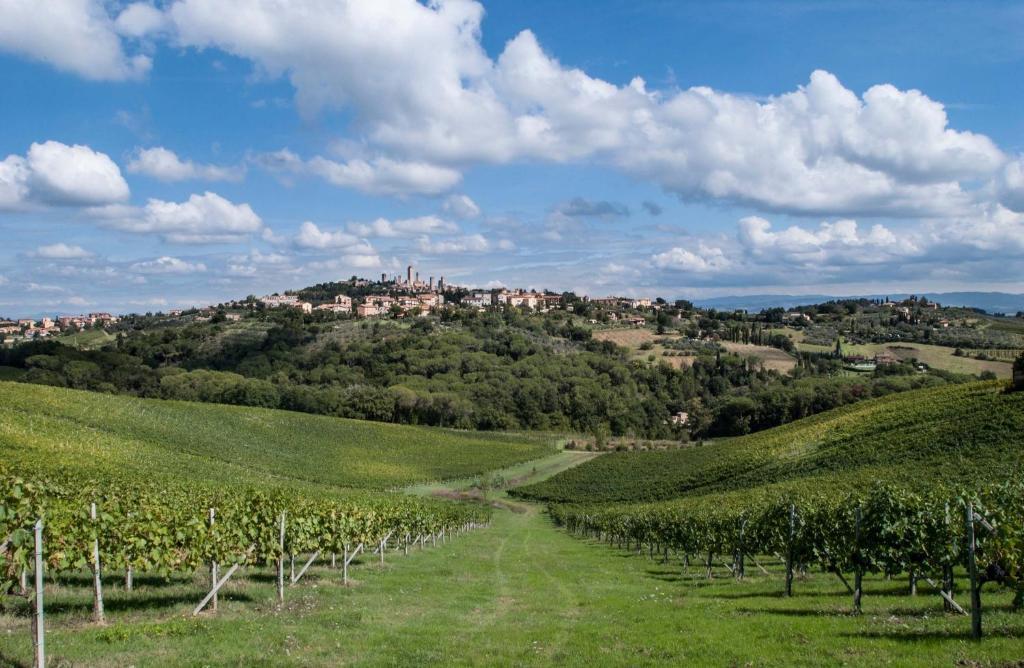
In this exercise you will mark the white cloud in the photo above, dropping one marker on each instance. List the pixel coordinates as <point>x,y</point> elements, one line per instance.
<point>376,176</point>
<point>361,261</point>
<point>473,243</point>
<point>4,280</point>
<point>382,227</point>
<point>1011,185</point>
<point>311,236</point>
<point>168,265</point>
<point>61,251</point>
<point>75,36</point>
<point>704,259</point>
<point>163,164</point>
<point>206,218</point>
<point>424,89</point>
<point>57,174</point>
<point>461,206</point>
<point>841,242</point>
<point>139,20</point>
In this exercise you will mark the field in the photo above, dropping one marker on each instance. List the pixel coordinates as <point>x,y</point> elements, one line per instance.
<point>910,437</point>
<point>633,338</point>
<point>87,340</point>
<point>937,357</point>
<point>521,593</point>
<point>40,425</point>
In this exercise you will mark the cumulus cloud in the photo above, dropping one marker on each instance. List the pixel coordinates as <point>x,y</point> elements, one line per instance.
<point>382,227</point>
<point>165,165</point>
<point>422,86</point>
<point>75,36</point>
<point>428,99</point>
<point>167,265</point>
<point>61,251</point>
<point>53,173</point>
<point>206,218</point>
<point>311,236</point>
<point>842,242</point>
<point>472,243</point>
<point>700,260</point>
<point>579,207</point>
<point>376,176</point>
<point>461,206</point>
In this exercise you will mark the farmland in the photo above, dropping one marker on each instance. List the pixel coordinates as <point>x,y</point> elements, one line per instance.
<point>99,432</point>
<point>911,437</point>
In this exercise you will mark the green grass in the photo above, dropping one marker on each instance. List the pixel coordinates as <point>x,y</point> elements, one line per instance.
<point>49,427</point>
<point>87,340</point>
<point>957,433</point>
<point>519,593</point>
<point>937,357</point>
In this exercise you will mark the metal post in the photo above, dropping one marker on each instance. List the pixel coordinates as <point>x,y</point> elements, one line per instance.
<point>40,636</point>
<point>972,567</point>
<point>790,550</point>
<point>858,573</point>
<point>280,565</point>
<point>97,579</point>
<point>214,574</point>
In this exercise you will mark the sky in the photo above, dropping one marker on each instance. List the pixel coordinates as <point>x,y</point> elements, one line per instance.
<point>163,154</point>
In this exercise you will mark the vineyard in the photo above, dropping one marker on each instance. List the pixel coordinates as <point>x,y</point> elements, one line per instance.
<point>957,434</point>
<point>159,489</point>
<point>43,427</point>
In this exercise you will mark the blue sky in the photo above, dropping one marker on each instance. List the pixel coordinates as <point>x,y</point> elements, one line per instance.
<point>163,154</point>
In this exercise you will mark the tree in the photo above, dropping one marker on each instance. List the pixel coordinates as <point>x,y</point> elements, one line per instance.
<point>1018,373</point>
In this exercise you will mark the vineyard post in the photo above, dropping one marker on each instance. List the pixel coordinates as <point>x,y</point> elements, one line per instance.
<point>129,578</point>
<point>344,566</point>
<point>23,585</point>
<point>213,566</point>
<point>790,550</point>
<point>334,560</point>
<point>97,580</point>
<point>972,567</point>
<point>40,627</point>
<point>280,564</point>
<point>947,570</point>
<point>291,558</point>
<point>858,568</point>
<point>740,566</point>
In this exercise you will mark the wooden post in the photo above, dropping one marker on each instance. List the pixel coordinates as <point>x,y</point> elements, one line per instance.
<point>344,566</point>
<point>406,546</point>
<point>291,575</point>
<point>213,567</point>
<point>24,581</point>
<point>280,564</point>
<point>858,572</point>
<point>40,626</point>
<point>790,550</point>
<point>912,575</point>
<point>97,607</point>
<point>740,566</point>
<point>334,560</point>
<point>710,557</point>
<point>382,544</point>
<point>972,567</point>
<point>313,557</point>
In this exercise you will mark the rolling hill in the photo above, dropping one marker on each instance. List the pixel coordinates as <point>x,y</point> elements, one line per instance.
<point>44,428</point>
<point>955,434</point>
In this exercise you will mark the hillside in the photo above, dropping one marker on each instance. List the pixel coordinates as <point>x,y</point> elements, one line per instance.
<point>953,433</point>
<point>43,428</point>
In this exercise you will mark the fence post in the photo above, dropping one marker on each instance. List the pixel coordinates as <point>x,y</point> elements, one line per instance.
<point>214,574</point>
<point>858,572</point>
<point>97,581</point>
<point>972,567</point>
<point>280,564</point>
<point>790,551</point>
<point>40,627</point>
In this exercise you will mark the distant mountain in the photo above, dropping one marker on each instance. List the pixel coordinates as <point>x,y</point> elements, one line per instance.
<point>992,302</point>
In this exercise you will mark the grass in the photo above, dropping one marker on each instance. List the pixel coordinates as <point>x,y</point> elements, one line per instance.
<point>956,433</point>
<point>937,357</point>
<point>49,427</point>
<point>88,340</point>
<point>518,593</point>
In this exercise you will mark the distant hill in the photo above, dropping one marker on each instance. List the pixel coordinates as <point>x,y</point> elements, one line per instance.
<point>956,434</point>
<point>992,302</point>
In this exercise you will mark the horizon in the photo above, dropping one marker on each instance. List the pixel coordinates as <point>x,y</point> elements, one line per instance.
<point>162,155</point>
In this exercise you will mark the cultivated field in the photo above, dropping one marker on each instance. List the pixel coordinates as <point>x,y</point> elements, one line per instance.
<point>42,426</point>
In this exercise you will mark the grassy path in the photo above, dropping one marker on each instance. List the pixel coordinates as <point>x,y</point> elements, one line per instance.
<point>525,593</point>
